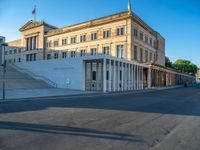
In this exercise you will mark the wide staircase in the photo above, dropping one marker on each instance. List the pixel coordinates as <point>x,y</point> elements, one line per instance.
<point>18,80</point>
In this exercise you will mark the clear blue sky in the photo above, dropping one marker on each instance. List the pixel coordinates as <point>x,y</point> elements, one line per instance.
<point>178,21</point>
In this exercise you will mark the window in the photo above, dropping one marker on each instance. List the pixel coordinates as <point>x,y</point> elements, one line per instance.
<point>94,75</point>
<point>73,40</point>
<point>14,60</point>
<point>64,54</point>
<point>48,56</point>
<point>151,57</point>
<point>106,34</point>
<point>64,41</point>
<point>93,51</point>
<point>56,56</point>
<point>50,43</point>
<point>10,51</point>
<point>6,52</point>
<point>141,36</point>
<point>120,31</point>
<point>19,59</point>
<point>106,50</point>
<point>150,41</point>
<point>141,54</point>
<point>83,52</point>
<point>135,52</point>
<point>19,50</point>
<point>82,38</point>
<point>15,51</point>
<point>56,43</point>
<point>31,57</point>
<point>94,36</point>
<point>146,38</point>
<point>146,56</point>
<point>73,54</point>
<point>120,51</point>
<point>135,33</point>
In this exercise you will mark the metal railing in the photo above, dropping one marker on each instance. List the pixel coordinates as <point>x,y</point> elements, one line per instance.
<point>33,75</point>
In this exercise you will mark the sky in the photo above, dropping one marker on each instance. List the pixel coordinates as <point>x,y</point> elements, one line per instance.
<point>178,21</point>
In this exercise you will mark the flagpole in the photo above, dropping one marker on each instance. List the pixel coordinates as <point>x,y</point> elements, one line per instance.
<point>35,13</point>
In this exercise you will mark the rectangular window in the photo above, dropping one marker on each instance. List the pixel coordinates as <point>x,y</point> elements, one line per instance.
<point>50,43</point>
<point>135,33</point>
<point>83,52</point>
<point>120,51</point>
<point>94,36</point>
<point>120,31</point>
<point>73,40</point>
<point>10,51</point>
<point>94,75</point>
<point>64,41</point>
<point>146,56</point>
<point>106,50</point>
<point>64,54</point>
<point>56,56</point>
<point>151,57</point>
<point>27,57</point>
<point>146,38</point>
<point>106,34</point>
<point>56,43</point>
<point>82,38</point>
<point>141,36</point>
<point>141,54</point>
<point>34,56</point>
<point>135,52</point>
<point>150,41</point>
<point>15,51</point>
<point>19,59</point>
<point>73,54</point>
<point>93,51</point>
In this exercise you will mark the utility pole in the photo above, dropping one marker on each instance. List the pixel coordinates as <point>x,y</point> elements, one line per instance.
<point>4,71</point>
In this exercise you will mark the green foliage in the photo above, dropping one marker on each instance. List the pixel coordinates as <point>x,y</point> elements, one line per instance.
<point>182,65</point>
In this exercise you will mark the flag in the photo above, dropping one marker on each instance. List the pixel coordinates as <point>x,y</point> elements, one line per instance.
<point>33,11</point>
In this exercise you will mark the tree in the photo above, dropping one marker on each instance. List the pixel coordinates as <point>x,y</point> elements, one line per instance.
<point>185,66</point>
<point>168,63</point>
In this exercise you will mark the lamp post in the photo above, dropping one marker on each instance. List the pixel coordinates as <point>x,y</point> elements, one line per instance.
<point>4,69</point>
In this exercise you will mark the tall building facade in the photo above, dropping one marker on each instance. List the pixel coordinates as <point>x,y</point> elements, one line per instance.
<point>122,35</point>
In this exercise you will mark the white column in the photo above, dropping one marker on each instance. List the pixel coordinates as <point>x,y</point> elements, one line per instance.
<point>129,76</point>
<point>134,77</point>
<point>104,75</point>
<point>137,77</point>
<point>122,83</point>
<point>118,75</point>
<point>36,44</point>
<point>114,76</point>
<point>149,77</point>
<point>142,79</point>
<point>110,76</point>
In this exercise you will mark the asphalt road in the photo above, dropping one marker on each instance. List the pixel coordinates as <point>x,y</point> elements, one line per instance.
<point>166,120</point>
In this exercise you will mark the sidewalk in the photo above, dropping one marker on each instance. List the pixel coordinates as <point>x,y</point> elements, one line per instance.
<point>34,93</point>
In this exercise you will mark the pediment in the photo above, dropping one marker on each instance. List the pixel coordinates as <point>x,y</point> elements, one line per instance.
<point>31,24</point>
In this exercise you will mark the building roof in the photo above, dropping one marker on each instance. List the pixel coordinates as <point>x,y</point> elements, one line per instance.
<point>32,24</point>
<point>103,20</point>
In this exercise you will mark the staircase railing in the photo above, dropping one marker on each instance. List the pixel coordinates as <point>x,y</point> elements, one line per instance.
<point>33,75</point>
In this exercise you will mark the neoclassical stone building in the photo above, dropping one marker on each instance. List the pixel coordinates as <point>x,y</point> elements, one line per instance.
<point>115,53</point>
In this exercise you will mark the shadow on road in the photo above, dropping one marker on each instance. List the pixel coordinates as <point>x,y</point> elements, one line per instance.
<point>74,131</point>
<point>180,101</point>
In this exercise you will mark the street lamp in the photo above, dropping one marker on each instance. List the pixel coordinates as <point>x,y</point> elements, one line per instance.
<point>4,69</point>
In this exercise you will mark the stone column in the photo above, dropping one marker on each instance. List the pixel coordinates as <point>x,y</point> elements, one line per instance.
<point>114,75</point>
<point>122,83</point>
<point>104,76</point>
<point>149,77</point>
<point>110,76</point>
<point>129,76</point>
